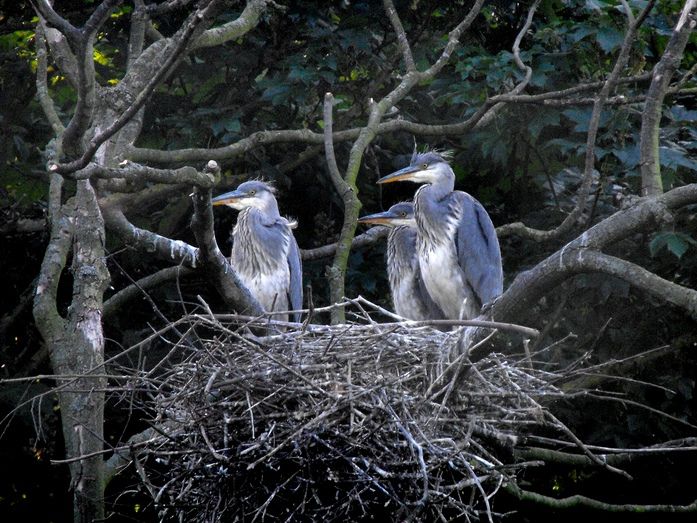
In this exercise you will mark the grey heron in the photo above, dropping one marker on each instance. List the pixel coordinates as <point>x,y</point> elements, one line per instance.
<point>264,251</point>
<point>458,250</point>
<point>409,295</point>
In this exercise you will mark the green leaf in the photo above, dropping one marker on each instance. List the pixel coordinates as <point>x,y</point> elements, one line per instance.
<point>677,243</point>
<point>231,125</point>
<point>609,39</point>
<point>629,155</point>
<point>675,156</point>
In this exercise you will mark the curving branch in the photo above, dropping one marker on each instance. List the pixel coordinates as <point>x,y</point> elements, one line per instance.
<point>47,318</point>
<point>173,54</point>
<point>370,237</point>
<point>81,41</point>
<point>119,300</point>
<point>579,501</point>
<point>133,172</point>
<point>217,268</point>
<point>54,20</point>
<point>175,251</point>
<point>593,261</point>
<point>609,85</point>
<point>233,30</point>
<point>579,256</point>
<point>402,39</point>
<point>366,135</point>
<point>651,182</point>
<point>44,96</point>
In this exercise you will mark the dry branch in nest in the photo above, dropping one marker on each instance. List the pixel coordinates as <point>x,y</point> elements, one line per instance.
<point>337,423</point>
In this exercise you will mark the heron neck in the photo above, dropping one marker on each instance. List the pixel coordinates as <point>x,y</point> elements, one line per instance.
<point>443,186</point>
<point>269,212</point>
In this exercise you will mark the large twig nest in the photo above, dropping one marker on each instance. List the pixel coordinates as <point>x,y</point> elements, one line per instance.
<point>332,423</point>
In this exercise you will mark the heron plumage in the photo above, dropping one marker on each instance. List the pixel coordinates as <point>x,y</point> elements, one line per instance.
<point>458,251</point>
<point>264,251</point>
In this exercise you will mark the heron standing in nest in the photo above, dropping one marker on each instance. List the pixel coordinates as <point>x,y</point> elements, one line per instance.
<point>409,295</point>
<point>457,247</point>
<point>265,254</point>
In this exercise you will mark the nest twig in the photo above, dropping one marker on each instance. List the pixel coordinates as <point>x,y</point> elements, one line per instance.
<point>334,423</point>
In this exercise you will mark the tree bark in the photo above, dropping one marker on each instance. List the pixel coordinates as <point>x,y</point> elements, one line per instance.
<point>651,182</point>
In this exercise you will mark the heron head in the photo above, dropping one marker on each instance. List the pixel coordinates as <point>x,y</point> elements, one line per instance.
<point>399,214</point>
<point>253,193</point>
<point>428,167</point>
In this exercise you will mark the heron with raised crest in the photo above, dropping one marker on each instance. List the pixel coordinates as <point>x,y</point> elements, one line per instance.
<point>457,247</point>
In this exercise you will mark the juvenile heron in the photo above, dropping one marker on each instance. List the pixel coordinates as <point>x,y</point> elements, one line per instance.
<point>409,295</point>
<point>264,251</point>
<point>457,247</point>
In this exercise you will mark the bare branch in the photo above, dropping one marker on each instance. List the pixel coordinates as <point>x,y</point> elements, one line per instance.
<point>247,21</point>
<point>578,501</point>
<point>175,251</point>
<point>45,10</point>
<point>48,319</point>
<point>409,65</point>
<point>651,183</point>
<point>44,96</point>
<point>118,301</point>
<point>140,173</point>
<point>173,54</point>
<point>530,286</point>
<point>593,261</point>
<point>216,267</point>
<point>370,237</point>
<point>339,183</point>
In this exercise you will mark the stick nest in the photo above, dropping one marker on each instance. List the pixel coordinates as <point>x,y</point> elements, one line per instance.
<point>350,422</point>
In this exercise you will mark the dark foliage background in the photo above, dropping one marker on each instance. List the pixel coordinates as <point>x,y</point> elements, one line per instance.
<point>524,166</point>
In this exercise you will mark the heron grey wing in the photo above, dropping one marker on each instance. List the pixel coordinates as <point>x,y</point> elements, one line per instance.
<point>295,289</point>
<point>478,248</point>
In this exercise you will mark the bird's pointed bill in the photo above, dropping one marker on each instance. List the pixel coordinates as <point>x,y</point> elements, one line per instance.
<point>408,173</point>
<point>379,218</point>
<point>228,198</point>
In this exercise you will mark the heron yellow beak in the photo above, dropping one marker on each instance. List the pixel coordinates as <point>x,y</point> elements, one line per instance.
<point>228,198</point>
<point>406,174</point>
<point>379,218</point>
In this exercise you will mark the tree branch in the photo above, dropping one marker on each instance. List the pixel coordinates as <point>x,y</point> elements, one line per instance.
<point>651,183</point>
<point>174,52</point>
<point>118,300</point>
<point>530,286</point>
<point>233,30</point>
<point>47,318</point>
<point>216,266</point>
<point>402,40</point>
<point>593,261</point>
<point>44,96</point>
<point>130,171</point>
<point>175,251</point>
<point>370,237</point>
<point>44,9</point>
<point>579,501</point>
